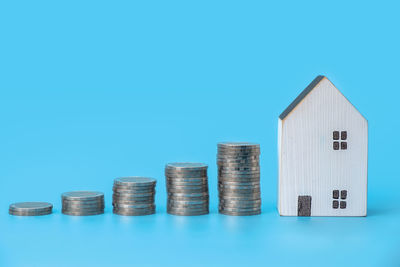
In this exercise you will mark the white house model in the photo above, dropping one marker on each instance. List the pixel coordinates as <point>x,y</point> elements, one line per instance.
<point>323,154</point>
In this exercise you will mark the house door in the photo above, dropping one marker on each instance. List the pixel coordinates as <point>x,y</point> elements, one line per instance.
<point>304,206</point>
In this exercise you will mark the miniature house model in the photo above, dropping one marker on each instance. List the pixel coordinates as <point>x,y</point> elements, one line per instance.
<point>323,154</point>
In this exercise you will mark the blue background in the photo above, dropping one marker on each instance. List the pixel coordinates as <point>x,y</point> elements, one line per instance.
<point>93,90</point>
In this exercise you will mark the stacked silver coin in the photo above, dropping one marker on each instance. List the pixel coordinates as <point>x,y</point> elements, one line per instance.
<point>239,178</point>
<point>30,208</point>
<point>187,188</point>
<point>134,196</point>
<point>82,203</point>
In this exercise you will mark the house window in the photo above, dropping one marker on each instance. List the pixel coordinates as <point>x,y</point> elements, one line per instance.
<point>343,196</point>
<point>342,137</point>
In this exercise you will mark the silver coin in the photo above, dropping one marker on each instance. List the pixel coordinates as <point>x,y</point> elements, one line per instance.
<point>135,181</point>
<point>193,191</point>
<point>136,206</point>
<point>134,193</point>
<point>31,206</point>
<point>186,165</point>
<point>133,188</point>
<point>237,166</point>
<point>239,148</point>
<point>230,194</point>
<point>238,153</point>
<point>138,196</point>
<point>238,144</point>
<point>246,213</point>
<point>242,177</point>
<point>239,206</point>
<point>133,199</point>
<point>239,191</point>
<point>185,174</point>
<point>238,187</point>
<point>171,188</point>
<point>187,213</point>
<point>132,196</point>
<point>29,213</point>
<point>239,198</point>
<point>187,187</point>
<point>82,207</point>
<point>186,179</point>
<point>188,202</point>
<point>235,183</point>
<point>83,213</point>
<point>240,168</point>
<point>82,195</point>
<point>133,213</point>
<point>138,200</point>
<point>91,203</point>
<point>238,172</point>
<point>204,198</point>
<point>88,204</point>
<point>133,209</point>
<point>185,184</point>
<point>237,209</point>
<point>238,180</point>
<point>227,194</point>
<point>187,210</point>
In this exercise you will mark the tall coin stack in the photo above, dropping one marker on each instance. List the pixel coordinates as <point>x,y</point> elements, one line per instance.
<point>82,203</point>
<point>134,196</point>
<point>187,188</point>
<point>239,178</point>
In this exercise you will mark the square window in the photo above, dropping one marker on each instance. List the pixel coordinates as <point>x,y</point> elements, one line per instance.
<point>335,194</point>
<point>335,204</point>
<point>343,135</point>
<point>343,145</point>
<point>336,135</point>
<point>343,194</point>
<point>335,145</point>
<point>342,204</point>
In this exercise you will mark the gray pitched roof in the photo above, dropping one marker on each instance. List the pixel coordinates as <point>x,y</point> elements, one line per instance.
<point>301,96</point>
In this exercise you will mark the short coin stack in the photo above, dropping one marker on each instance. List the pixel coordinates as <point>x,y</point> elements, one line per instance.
<point>30,208</point>
<point>187,188</point>
<point>134,196</point>
<point>239,178</point>
<point>82,203</point>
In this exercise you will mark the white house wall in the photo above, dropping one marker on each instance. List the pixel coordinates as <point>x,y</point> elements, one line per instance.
<point>308,165</point>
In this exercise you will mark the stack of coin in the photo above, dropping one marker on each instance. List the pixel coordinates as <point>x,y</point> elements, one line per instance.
<point>30,208</point>
<point>187,188</point>
<point>82,203</point>
<point>134,196</point>
<point>239,178</point>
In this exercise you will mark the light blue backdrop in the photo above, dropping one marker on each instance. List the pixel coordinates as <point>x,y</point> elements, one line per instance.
<point>93,90</point>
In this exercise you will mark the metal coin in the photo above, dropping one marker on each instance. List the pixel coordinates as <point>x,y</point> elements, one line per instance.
<point>138,196</point>
<point>136,206</point>
<point>133,213</point>
<point>82,195</point>
<point>187,213</point>
<point>186,165</point>
<point>135,181</point>
<point>83,213</point>
<point>230,145</point>
<point>233,213</point>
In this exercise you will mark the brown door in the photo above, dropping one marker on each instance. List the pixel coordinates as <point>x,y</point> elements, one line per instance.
<point>304,206</point>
